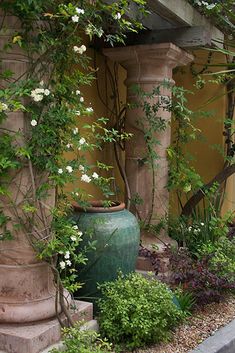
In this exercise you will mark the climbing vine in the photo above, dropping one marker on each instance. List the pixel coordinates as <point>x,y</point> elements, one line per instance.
<point>47,129</point>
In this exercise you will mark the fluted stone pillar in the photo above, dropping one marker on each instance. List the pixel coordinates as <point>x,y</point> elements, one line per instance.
<point>148,66</point>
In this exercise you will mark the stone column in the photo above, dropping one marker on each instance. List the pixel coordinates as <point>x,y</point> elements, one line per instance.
<point>28,322</point>
<point>27,291</point>
<point>148,66</point>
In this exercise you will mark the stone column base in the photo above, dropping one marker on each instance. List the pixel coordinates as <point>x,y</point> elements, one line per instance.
<point>35,337</point>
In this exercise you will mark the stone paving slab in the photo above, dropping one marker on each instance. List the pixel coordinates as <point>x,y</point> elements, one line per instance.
<point>223,341</point>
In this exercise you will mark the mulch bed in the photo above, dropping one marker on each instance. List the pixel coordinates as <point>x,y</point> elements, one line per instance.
<point>204,323</point>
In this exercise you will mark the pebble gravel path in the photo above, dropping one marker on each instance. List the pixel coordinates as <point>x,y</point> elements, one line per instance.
<point>204,323</point>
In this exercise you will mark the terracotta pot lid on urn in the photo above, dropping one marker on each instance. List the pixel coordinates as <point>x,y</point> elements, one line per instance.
<point>98,206</point>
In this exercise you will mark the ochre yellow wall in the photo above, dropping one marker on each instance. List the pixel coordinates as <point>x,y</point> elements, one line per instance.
<point>207,160</point>
<point>102,108</point>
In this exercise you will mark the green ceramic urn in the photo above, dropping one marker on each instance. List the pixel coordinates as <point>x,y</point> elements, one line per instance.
<point>116,235</point>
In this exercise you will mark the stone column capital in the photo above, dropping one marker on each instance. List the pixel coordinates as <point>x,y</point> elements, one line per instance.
<point>149,62</point>
<point>164,53</point>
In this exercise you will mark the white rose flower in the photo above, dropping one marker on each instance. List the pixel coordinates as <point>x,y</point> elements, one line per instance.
<point>67,255</point>
<point>80,11</point>
<point>81,168</point>
<point>80,233</point>
<point>60,171</point>
<point>85,178</point>
<point>41,83</point>
<point>38,98</point>
<point>81,99</point>
<point>37,94</point>
<point>75,227</point>
<point>75,18</point>
<point>69,169</point>
<point>117,16</point>
<point>73,238</point>
<point>68,262</point>
<point>47,92</point>
<point>39,90</point>
<point>82,141</point>
<point>75,131</point>
<point>210,6</point>
<point>78,112</point>
<point>3,107</point>
<point>202,224</point>
<point>77,92</point>
<point>69,145</point>
<point>62,265</point>
<point>81,49</point>
<point>89,110</point>
<point>75,49</point>
<point>34,122</point>
<point>95,175</point>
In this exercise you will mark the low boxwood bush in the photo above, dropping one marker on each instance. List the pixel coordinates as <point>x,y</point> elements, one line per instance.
<point>135,311</point>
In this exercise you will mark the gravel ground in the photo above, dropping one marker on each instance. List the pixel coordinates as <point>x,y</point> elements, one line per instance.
<point>204,323</point>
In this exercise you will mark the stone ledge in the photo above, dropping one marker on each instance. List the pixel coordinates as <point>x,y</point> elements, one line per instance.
<point>90,325</point>
<point>34,337</point>
<point>144,264</point>
<point>58,346</point>
<point>223,341</point>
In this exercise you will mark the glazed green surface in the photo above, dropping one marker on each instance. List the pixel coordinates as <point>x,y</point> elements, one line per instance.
<point>116,236</point>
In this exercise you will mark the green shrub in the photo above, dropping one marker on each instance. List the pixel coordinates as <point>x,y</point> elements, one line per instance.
<point>221,256</point>
<point>136,311</point>
<point>82,341</point>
